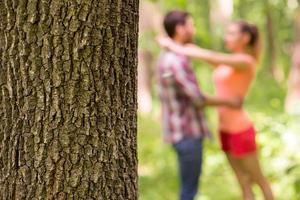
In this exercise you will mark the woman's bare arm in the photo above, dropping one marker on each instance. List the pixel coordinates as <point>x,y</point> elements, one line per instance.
<point>238,61</point>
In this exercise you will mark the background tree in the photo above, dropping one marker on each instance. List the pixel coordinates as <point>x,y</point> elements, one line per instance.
<point>271,43</point>
<point>150,26</point>
<point>278,132</point>
<point>293,96</point>
<point>68,99</point>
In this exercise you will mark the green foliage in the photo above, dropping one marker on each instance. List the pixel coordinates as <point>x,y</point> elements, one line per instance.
<point>278,139</point>
<point>283,17</point>
<point>278,133</point>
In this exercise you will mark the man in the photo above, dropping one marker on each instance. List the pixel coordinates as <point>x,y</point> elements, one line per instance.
<point>182,104</point>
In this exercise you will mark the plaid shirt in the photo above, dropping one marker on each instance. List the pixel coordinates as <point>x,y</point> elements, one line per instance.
<point>178,90</point>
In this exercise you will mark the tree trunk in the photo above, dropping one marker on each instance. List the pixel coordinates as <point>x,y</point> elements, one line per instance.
<point>293,96</point>
<point>241,9</point>
<point>271,53</point>
<point>68,99</point>
<point>150,26</point>
<point>220,16</point>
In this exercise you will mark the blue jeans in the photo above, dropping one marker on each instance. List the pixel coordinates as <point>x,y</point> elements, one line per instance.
<point>189,152</point>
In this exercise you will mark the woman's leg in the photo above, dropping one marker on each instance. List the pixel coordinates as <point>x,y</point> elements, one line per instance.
<point>251,164</point>
<point>243,177</point>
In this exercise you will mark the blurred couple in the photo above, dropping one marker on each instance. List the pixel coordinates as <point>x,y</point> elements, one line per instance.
<point>183,102</point>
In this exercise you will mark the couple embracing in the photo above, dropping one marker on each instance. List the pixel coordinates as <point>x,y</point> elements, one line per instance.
<point>183,102</point>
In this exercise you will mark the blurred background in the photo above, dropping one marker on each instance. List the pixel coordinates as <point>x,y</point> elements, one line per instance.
<point>273,102</point>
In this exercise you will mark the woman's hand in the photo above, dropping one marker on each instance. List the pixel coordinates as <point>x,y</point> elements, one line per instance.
<point>164,42</point>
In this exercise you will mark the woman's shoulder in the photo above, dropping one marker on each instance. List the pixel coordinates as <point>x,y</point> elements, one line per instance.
<point>249,60</point>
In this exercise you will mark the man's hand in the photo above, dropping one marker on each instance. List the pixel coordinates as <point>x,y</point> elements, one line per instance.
<point>236,102</point>
<point>200,105</point>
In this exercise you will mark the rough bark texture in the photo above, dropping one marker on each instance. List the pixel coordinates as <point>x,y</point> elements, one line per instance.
<point>293,96</point>
<point>68,99</point>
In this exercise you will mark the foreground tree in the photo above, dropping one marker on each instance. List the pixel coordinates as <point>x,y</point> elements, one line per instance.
<point>68,99</point>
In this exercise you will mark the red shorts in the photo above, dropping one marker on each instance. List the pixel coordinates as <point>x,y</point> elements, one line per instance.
<point>238,144</point>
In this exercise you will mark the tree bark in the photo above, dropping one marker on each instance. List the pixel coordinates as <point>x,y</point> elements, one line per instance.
<point>68,99</point>
<point>293,96</point>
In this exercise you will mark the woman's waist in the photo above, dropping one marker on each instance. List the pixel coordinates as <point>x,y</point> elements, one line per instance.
<point>234,121</point>
<point>225,110</point>
<point>238,131</point>
<point>232,113</point>
<point>229,94</point>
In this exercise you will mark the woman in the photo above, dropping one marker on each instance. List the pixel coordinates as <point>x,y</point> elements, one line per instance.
<point>233,76</point>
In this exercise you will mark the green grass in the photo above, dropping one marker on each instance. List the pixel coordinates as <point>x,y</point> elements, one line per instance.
<point>278,136</point>
<point>158,168</point>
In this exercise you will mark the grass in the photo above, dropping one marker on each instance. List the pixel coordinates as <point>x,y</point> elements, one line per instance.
<point>158,168</point>
<point>277,132</point>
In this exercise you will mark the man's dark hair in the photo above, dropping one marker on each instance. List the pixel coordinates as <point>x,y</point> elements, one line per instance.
<point>174,18</point>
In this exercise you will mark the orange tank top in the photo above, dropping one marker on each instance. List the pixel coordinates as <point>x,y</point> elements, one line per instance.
<point>229,83</point>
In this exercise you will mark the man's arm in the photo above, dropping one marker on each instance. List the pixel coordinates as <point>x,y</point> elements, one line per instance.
<point>215,101</point>
<point>193,92</point>
<point>188,87</point>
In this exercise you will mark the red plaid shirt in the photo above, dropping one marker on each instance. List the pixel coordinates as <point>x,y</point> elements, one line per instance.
<point>178,90</point>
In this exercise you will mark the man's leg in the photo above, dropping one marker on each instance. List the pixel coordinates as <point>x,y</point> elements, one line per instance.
<point>190,162</point>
